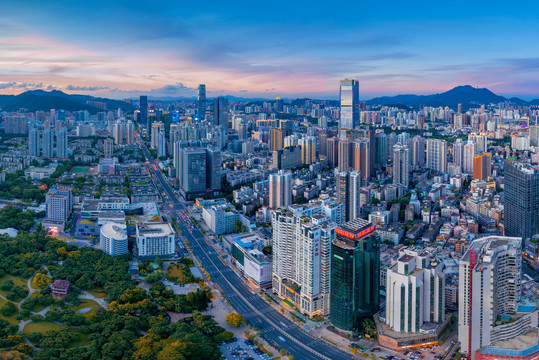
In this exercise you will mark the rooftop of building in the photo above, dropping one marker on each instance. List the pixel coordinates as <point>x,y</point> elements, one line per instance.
<point>114,231</point>
<point>154,229</point>
<point>519,343</point>
<point>483,245</point>
<point>355,226</point>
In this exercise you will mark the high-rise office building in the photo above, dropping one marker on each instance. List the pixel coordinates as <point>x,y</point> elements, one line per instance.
<point>355,275</point>
<point>34,145</point>
<point>220,112</point>
<point>349,97</point>
<point>144,118</point>
<point>301,261</point>
<point>108,147</point>
<point>348,189</point>
<point>401,165</point>
<point>490,274</point>
<point>47,143</point>
<point>534,135</point>
<point>323,143</point>
<point>415,292</point>
<point>521,192</point>
<point>437,155</point>
<point>280,190</point>
<point>308,150</point>
<point>213,169</point>
<point>201,102</point>
<point>346,153</point>
<point>333,151</point>
<point>161,144</point>
<point>482,166</point>
<point>276,139</point>
<point>287,158</point>
<point>61,144</point>
<point>192,171</point>
<point>380,149</point>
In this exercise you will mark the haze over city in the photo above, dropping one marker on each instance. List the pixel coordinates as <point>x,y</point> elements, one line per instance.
<point>289,49</point>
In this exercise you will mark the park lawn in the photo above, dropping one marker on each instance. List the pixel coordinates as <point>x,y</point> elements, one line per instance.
<point>99,293</point>
<point>17,281</point>
<point>84,304</point>
<point>10,319</point>
<point>42,327</point>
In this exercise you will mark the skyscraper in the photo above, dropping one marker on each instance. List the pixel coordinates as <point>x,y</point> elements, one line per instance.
<point>144,119</point>
<point>482,166</point>
<point>213,169</point>
<point>349,104</point>
<point>300,261</point>
<point>129,133</point>
<point>280,190</point>
<point>48,143</point>
<point>417,152</point>
<point>193,171</point>
<point>61,144</point>
<point>437,155</point>
<point>34,145</point>
<point>348,189</point>
<point>157,128</point>
<point>355,274</point>
<point>470,149</point>
<point>108,147</point>
<point>333,151</point>
<point>276,139</point>
<point>521,191</point>
<point>490,275</point>
<point>458,153</point>
<point>220,112</point>
<point>308,150</point>
<point>401,165</point>
<point>201,101</point>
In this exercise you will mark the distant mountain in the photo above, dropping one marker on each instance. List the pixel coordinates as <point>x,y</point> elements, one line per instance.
<point>466,95</point>
<point>40,100</point>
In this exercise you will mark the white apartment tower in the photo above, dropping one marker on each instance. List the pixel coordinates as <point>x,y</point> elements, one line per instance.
<point>415,292</point>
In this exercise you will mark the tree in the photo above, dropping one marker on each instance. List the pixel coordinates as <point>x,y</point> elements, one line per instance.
<point>282,352</point>
<point>369,326</point>
<point>267,250</point>
<point>235,319</point>
<point>41,280</point>
<point>8,309</point>
<point>223,336</point>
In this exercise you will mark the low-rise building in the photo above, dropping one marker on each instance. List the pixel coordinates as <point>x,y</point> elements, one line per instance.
<point>155,239</point>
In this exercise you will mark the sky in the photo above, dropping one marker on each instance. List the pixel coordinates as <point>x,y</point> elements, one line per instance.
<point>163,48</point>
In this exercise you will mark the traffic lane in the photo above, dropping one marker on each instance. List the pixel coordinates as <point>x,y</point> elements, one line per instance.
<point>260,304</point>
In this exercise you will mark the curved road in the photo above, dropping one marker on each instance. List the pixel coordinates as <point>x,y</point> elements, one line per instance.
<point>274,327</point>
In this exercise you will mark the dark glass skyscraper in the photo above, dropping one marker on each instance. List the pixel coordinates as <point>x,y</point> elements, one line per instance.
<point>144,119</point>
<point>521,208</point>
<point>201,102</point>
<point>349,104</point>
<point>220,112</point>
<point>355,275</point>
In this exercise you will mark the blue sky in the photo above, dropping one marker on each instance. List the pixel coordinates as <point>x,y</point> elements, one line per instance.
<point>267,49</point>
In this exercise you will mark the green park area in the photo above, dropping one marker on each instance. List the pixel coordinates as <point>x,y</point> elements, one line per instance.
<point>180,272</point>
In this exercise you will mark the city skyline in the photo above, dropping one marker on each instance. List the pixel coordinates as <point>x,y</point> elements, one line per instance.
<point>288,50</point>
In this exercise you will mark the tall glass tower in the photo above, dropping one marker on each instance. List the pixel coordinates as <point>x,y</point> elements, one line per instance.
<point>349,104</point>
<point>355,274</point>
<point>201,102</point>
<point>521,211</point>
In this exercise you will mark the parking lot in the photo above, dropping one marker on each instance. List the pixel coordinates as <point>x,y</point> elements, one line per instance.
<point>242,349</point>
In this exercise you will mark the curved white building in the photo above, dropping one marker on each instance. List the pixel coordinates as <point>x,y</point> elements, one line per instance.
<point>113,239</point>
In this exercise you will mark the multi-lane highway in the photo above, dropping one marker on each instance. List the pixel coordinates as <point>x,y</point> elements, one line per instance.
<point>274,327</point>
